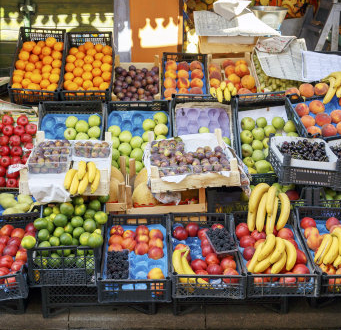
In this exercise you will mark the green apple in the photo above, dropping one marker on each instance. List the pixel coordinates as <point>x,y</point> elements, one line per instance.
<point>137,154</point>
<point>127,169</point>
<point>266,143</point>
<point>289,127</point>
<point>277,185</point>
<point>337,197</point>
<point>94,132</point>
<point>246,137</point>
<point>288,187</point>
<point>124,149</point>
<point>94,120</point>
<point>70,133</point>
<point>262,166</point>
<point>145,136</point>
<point>144,145</point>
<point>138,166</point>
<point>243,197</point>
<point>115,142</point>
<point>292,134</point>
<point>269,130</point>
<point>161,129</point>
<point>261,122</point>
<point>114,163</point>
<point>148,124</point>
<point>160,118</point>
<point>252,170</point>
<point>249,162</point>
<point>266,152</point>
<point>204,130</point>
<point>127,161</point>
<point>227,140</point>
<point>248,124</point>
<point>247,150</point>
<point>125,136</point>
<point>71,121</point>
<point>258,155</point>
<point>82,126</point>
<point>330,192</point>
<point>114,130</point>
<point>93,138</point>
<point>258,133</point>
<point>257,145</point>
<point>115,154</point>
<point>278,134</point>
<point>278,122</point>
<point>136,142</point>
<point>161,137</point>
<point>82,136</point>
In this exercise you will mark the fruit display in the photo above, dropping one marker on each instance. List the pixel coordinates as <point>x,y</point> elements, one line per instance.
<point>78,128</point>
<point>118,265</point>
<point>91,149</point>
<point>12,204</point>
<point>181,77</point>
<point>136,84</point>
<point>220,240</point>
<point>16,142</point>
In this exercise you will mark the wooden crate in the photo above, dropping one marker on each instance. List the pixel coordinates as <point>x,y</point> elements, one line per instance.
<point>206,47</point>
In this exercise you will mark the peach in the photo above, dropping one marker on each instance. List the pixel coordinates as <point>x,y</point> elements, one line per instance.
<point>314,130</point>
<point>308,121</point>
<point>241,62</point>
<point>142,230</point>
<point>313,242</point>
<point>196,90</point>
<point>155,274</point>
<point>155,233</point>
<point>321,89</point>
<point>234,78</point>
<point>306,90</point>
<point>155,252</point>
<point>183,90</point>
<point>170,74</point>
<point>156,242</point>
<point>171,65</point>
<point>242,91</point>
<point>214,83</point>
<point>196,82</point>
<point>328,130</point>
<point>168,93</point>
<point>242,70</point>
<point>183,66</point>
<point>285,233</point>
<point>238,86</point>
<point>293,90</point>
<point>248,82</point>
<point>129,233</point>
<point>142,238</point>
<point>336,116</point>
<point>115,247</point>
<point>311,230</point>
<point>169,83</point>
<point>129,244</point>
<point>141,249</point>
<point>215,75</point>
<point>183,74</point>
<point>212,67</point>
<point>338,128</point>
<point>183,83</point>
<point>302,109</point>
<point>316,107</point>
<point>197,74</point>
<point>116,230</point>
<point>322,119</point>
<point>227,62</point>
<point>115,239</point>
<point>195,65</point>
<point>229,70</point>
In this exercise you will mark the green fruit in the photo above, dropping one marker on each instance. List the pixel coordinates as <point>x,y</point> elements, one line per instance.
<point>66,209</point>
<point>258,134</point>
<point>258,155</point>
<point>56,209</point>
<point>47,211</point>
<point>289,127</point>
<point>64,252</point>
<point>248,161</point>
<point>50,226</point>
<point>40,223</point>
<point>83,239</point>
<point>144,145</point>
<point>95,205</point>
<point>60,220</point>
<point>204,130</point>
<point>77,232</point>
<point>52,216</point>
<point>266,143</point>
<point>55,260</point>
<point>114,163</point>
<point>54,241</point>
<point>44,245</point>
<point>278,122</point>
<point>90,268</point>
<point>69,261</point>
<point>292,134</point>
<point>115,142</point>
<point>160,118</point>
<point>77,221</point>
<point>125,136</point>
<point>227,140</point>
<point>115,154</point>
<point>68,228</point>
<point>94,120</point>
<point>80,263</point>
<point>66,239</point>
<point>103,199</point>
<point>246,137</point>
<point>75,241</point>
<point>71,121</point>
<point>247,123</point>
<point>137,154</point>
<point>262,166</point>
<point>58,232</point>
<point>95,240</point>
<point>28,242</point>
<point>244,197</point>
<point>82,126</point>
<point>101,217</point>
<point>136,142</point>
<point>261,122</point>
<point>89,214</point>
<point>43,235</point>
<point>78,200</point>
<point>80,209</point>
<point>138,166</point>
<point>145,136</point>
<point>89,225</point>
<point>148,124</point>
<point>81,252</point>
<point>269,130</point>
<point>114,130</point>
<point>257,145</point>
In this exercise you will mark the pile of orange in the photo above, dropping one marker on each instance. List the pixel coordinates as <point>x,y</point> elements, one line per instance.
<point>88,67</point>
<point>39,65</point>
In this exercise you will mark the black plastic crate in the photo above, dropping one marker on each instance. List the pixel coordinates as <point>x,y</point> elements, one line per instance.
<point>155,105</point>
<point>179,57</point>
<point>77,107</point>
<point>265,99</point>
<point>267,285</point>
<point>29,96</point>
<point>75,39</point>
<point>134,290</point>
<point>235,288</point>
<point>4,72</point>
<point>330,284</point>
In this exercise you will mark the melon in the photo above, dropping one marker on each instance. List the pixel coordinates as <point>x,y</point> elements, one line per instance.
<point>113,190</point>
<point>142,195</point>
<point>141,177</point>
<point>116,174</point>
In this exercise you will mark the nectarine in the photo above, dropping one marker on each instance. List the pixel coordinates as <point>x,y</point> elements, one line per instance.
<point>215,75</point>
<point>338,128</point>
<point>129,243</point>
<point>142,230</point>
<point>311,230</point>
<point>321,89</point>
<point>170,74</point>
<point>183,74</point>
<point>242,70</point>
<point>183,66</point>
<point>156,233</point>
<point>316,107</point>
<point>171,65</point>
<point>169,91</point>
<point>306,90</point>
<point>322,119</point>
<point>195,90</point>
<point>155,241</point>
<point>197,74</point>
<point>183,91</point>
<point>229,70</point>
<point>336,116</point>
<point>227,62</point>
<point>248,82</point>
<point>155,274</point>
<point>314,130</point>
<point>141,248</point>
<point>142,238</point>
<point>169,83</point>
<point>212,67</point>
<point>328,130</point>
<point>285,233</point>
<point>129,233</point>
<point>183,83</point>
<point>293,90</point>
<point>308,121</point>
<point>302,109</point>
<point>234,78</point>
<point>155,253</point>
<point>214,83</point>
<point>115,239</point>
<point>196,82</point>
<point>195,65</point>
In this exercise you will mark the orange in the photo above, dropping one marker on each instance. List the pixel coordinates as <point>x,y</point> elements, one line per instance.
<point>56,64</point>
<point>54,78</point>
<point>52,87</point>
<point>95,88</point>
<point>98,48</point>
<point>57,55</point>
<point>33,86</point>
<point>39,65</point>
<point>91,52</point>
<point>29,67</point>
<point>36,71</point>
<point>47,60</point>
<point>41,56</point>
<point>87,75</point>
<point>68,76</point>
<point>97,81</point>
<point>16,85</point>
<point>41,44</point>
<point>107,59</point>
<point>103,86</point>
<point>80,55</point>
<point>69,67</point>
<point>23,55</point>
<point>33,43</point>
<point>88,59</point>
<point>46,75</point>
<point>66,83</point>
<point>46,68</point>
<point>36,50</point>
<point>19,72</point>
<point>50,41</point>
<point>99,56</point>
<point>96,72</point>
<point>72,86</point>
<point>33,58</point>
<point>20,65</point>
<point>70,58</point>
<point>78,81</point>
<point>106,76</point>
<point>79,63</point>
<point>73,51</point>
<point>44,83</point>
<point>28,75</point>
<point>55,70</point>
<point>36,78</point>
<point>27,46</point>
<point>88,45</point>
<point>80,88</point>
<point>87,67</point>
<point>46,51</point>
<point>87,84</point>
<point>58,46</point>
<point>25,82</point>
<point>96,64</point>
<point>17,79</point>
<point>107,50</point>
<point>106,67</point>
<point>81,49</point>
<point>77,72</point>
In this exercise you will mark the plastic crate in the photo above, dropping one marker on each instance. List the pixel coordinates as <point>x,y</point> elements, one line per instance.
<point>29,96</point>
<point>4,72</point>
<point>265,99</point>
<point>59,111</point>
<point>134,123</point>
<point>19,220</point>
<point>75,39</point>
<point>330,284</point>
<point>134,290</point>
<point>179,57</point>
<point>315,174</point>
<point>264,288</point>
<point>216,288</point>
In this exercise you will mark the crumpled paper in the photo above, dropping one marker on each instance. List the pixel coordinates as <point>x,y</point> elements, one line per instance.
<point>274,44</point>
<point>230,8</point>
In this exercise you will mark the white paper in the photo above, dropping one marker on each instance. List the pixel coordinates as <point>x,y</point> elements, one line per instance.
<point>316,66</point>
<point>230,8</point>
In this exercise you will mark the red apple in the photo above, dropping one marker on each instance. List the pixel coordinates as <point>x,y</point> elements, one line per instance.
<point>192,229</point>
<point>6,230</point>
<point>180,233</point>
<point>228,272</point>
<point>307,222</point>
<point>204,242</point>
<point>301,257</point>
<point>3,271</point>
<point>2,246</point>
<point>17,264</point>
<point>115,239</point>
<point>246,241</point>
<point>155,241</point>
<point>214,269</point>
<point>260,280</point>
<point>206,250</point>
<point>156,233</point>
<point>242,230</point>
<point>10,250</point>
<point>202,272</point>
<point>285,233</point>
<point>293,195</point>
<point>288,281</point>
<point>301,269</point>
<point>332,222</point>
<point>228,263</point>
<point>4,239</point>
<point>198,264</point>
<point>129,233</point>
<point>155,253</point>
<point>116,230</point>
<point>6,261</point>
<point>115,247</point>
<point>21,255</point>
<point>142,238</point>
<point>129,243</point>
<point>30,233</point>
<point>258,235</point>
<point>212,258</point>
<point>201,233</point>
<point>248,252</point>
<point>217,226</point>
<point>142,230</point>
<point>141,248</point>
<point>270,279</point>
<point>30,227</point>
<point>18,232</point>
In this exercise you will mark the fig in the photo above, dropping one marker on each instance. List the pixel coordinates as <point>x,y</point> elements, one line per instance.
<point>197,169</point>
<point>200,150</point>
<point>132,68</point>
<point>201,155</point>
<point>124,73</point>
<point>118,70</point>
<point>132,73</point>
<point>189,159</point>
<point>207,148</point>
<point>195,162</point>
<point>218,149</point>
<point>155,69</point>
<point>128,80</point>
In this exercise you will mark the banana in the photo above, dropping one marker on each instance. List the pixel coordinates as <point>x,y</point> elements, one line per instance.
<point>338,92</point>
<point>74,185</point>
<point>278,266</point>
<point>261,213</point>
<point>68,178</point>
<point>332,253</point>
<point>291,254</point>
<point>256,196</point>
<point>227,94</point>
<point>213,92</point>
<point>83,184</point>
<point>251,221</point>
<point>219,95</point>
<point>254,259</point>
<point>234,91</point>
<point>337,76</point>
<point>331,91</point>
<point>222,85</point>
<point>230,86</point>
<point>188,270</point>
<point>92,171</point>
<point>95,183</point>
<point>271,219</point>
<point>177,264</point>
<point>285,211</point>
<point>337,233</point>
<point>81,169</point>
<point>337,262</point>
<point>279,249</point>
<point>262,265</point>
<point>323,249</point>
<point>268,247</point>
<point>270,200</point>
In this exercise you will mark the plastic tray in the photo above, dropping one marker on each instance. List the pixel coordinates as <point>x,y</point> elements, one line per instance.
<point>222,254</point>
<point>138,288</point>
<point>75,39</point>
<point>86,151</point>
<point>320,214</point>
<point>309,288</point>
<point>130,115</point>
<point>216,288</point>
<point>180,57</point>
<point>19,217</point>
<point>54,114</point>
<point>46,150</point>
<point>52,164</point>
<point>29,96</point>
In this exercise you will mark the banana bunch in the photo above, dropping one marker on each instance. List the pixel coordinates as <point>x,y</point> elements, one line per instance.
<point>329,251</point>
<point>76,181</point>
<point>334,80</point>
<point>224,92</point>
<point>263,205</point>
<point>275,252</point>
<point>182,267</point>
